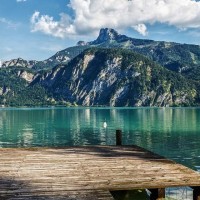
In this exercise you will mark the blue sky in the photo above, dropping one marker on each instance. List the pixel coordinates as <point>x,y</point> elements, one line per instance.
<point>37,29</point>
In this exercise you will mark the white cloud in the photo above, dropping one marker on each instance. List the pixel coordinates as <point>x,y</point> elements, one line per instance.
<point>9,23</point>
<point>46,24</point>
<point>91,15</point>
<point>141,28</point>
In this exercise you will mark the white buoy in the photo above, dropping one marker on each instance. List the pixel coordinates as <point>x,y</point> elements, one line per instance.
<point>104,124</point>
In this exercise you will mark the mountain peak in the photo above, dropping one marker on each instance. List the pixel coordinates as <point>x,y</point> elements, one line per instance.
<point>108,34</point>
<point>105,35</point>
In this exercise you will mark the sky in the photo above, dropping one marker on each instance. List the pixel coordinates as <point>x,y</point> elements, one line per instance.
<point>37,29</point>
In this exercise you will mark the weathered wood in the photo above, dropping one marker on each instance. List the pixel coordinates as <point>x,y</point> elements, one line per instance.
<point>69,195</point>
<point>196,193</point>
<point>42,173</point>
<point>118,137</point>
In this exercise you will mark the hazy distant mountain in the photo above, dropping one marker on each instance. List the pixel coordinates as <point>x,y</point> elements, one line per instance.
<point>61,57</point>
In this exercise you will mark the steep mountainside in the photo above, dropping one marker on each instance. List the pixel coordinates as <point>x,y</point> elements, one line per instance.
<point>117,77</point>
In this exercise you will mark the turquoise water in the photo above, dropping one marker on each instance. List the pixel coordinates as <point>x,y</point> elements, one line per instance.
<point>171,132</point>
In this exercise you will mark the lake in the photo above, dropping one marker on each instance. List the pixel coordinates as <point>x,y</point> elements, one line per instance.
<point>171,132</point>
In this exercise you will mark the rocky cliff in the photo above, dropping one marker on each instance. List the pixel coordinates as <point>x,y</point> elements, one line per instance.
<point>114,77</point>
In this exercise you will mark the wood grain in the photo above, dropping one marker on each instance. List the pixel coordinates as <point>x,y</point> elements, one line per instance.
<point>87,172</point>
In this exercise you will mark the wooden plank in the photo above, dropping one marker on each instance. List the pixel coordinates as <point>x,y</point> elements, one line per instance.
<point>59,171</point>
<point>69,195</point>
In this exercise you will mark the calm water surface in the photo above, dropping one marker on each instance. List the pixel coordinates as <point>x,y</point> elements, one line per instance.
<point>171,132</point>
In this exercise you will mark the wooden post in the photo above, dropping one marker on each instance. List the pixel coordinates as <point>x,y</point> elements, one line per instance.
<point>196,193</point>
<point>157,194</point>
<point>118,137</point>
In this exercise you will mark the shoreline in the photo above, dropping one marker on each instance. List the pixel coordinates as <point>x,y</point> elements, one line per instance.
<point>93,107</point>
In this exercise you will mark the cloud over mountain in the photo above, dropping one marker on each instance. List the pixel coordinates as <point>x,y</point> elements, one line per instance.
<point>91,15</point>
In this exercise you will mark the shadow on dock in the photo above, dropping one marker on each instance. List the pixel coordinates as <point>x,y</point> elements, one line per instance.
<point>22,190</point>
<point>111,152</point>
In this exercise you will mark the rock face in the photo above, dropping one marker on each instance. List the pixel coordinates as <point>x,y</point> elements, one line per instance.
<point>106,35</point>
<point>26,76</point>
<point>113,77</point>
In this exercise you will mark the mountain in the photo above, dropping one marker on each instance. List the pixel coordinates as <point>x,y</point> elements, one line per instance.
<point>15,88</point>
<point>108,35</point>
<point>116,77</point>
<point>113,70</point>
<point>181,58</point>
<point>19,62</point>
<point>61,57</point>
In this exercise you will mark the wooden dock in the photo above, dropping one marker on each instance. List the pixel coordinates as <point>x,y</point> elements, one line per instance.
<point>89,172</point>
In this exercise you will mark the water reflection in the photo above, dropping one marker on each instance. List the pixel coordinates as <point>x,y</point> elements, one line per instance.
<point>172,132</point>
